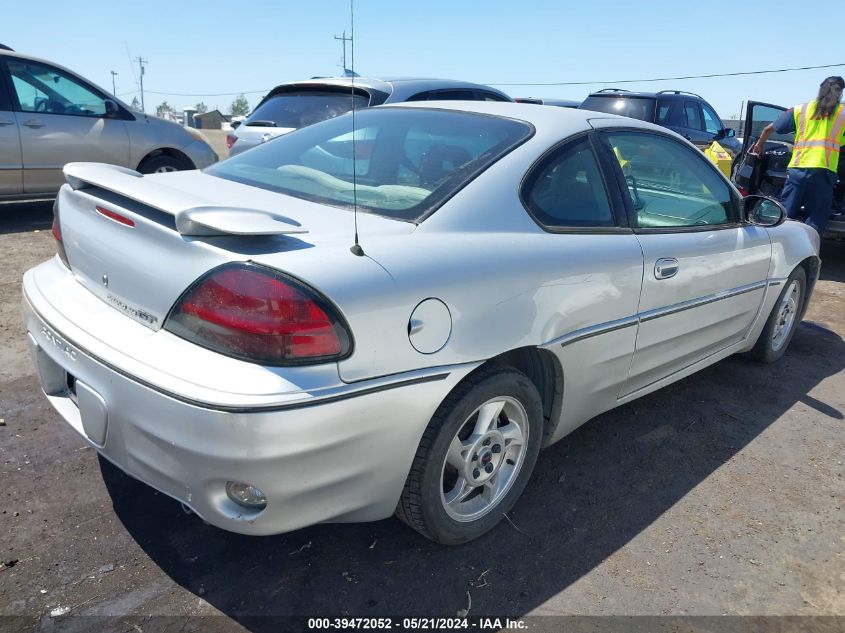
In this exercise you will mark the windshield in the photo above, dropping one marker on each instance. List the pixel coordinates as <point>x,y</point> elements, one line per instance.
<point>298,109</point>
<point>641,108</point>
<point>406,160</point>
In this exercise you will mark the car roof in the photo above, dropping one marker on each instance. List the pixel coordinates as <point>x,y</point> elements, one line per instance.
<point>621,92</point>
<point>546,119</point>
<point>398,88</point>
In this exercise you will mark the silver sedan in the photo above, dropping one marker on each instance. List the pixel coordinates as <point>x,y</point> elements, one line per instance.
<point>347,323</point>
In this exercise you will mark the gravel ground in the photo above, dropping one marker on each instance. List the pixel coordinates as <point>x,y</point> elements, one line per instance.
<point>721,494</point>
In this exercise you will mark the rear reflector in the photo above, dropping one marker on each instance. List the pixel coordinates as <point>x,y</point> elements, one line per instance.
<point>259,315</point>
<point>112,215</point>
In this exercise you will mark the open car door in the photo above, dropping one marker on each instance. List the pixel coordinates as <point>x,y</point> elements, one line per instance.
<point>766,174</point>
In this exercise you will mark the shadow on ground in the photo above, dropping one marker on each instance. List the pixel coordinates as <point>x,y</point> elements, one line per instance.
<point>23,217</point>
<point>590,495</point>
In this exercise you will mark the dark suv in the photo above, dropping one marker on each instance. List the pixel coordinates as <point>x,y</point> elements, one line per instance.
<point>683,112</point>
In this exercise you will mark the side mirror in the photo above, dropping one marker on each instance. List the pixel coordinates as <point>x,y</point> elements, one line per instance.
<point>763,211</point>
<point>730,132</point>
<point>112,108</point>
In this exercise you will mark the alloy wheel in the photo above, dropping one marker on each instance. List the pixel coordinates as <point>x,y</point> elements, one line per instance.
<point>787,310</point>
<point>484,459</point>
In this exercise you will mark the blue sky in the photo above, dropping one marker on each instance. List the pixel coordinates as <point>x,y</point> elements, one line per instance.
<point>211,47</point>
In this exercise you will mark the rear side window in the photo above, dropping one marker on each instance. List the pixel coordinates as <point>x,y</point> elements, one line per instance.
<point>692,115</point>
<point>642,108</point>
<point>483,95</point>
<point>301,108</point>
<point>444,95</point>
<point>567,190</point>
<point>405,161</point>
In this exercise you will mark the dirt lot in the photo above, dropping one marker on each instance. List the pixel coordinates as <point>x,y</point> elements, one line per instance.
<point>719,495</point>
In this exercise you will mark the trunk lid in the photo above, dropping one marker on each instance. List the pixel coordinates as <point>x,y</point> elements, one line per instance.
<point>138,242</point>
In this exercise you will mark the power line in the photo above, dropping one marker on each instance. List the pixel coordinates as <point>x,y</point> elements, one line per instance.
<point>554,83</point>
<point>213,94</point>
<point>635,81</point>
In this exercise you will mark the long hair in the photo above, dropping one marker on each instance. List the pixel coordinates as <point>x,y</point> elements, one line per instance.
<point>830,92</point>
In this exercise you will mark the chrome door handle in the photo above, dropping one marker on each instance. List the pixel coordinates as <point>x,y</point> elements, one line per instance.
<point>666,267</point>
<point>33,123</point>
<point>5,122</point>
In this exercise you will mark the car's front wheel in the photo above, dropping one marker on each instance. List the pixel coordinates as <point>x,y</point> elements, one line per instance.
<point>783,319</point>
<point>162,163</point>
<point>475,457</point>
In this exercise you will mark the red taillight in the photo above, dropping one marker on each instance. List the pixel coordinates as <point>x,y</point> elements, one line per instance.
<point>57,234</point>
<point>230,140</point>
<point>259,315</point>
<point>113,215</point>
<point>742,191</point>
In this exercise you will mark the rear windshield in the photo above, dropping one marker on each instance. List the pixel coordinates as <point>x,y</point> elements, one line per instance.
<point>406,160</point>
<point>641,108</point>
<point>298,109</point>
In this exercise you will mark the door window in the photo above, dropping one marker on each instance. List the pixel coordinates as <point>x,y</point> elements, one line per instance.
<point>711,120</point>
<point>42,88</point>
<point>567,190</point>
<point>761,116</point>
<point>693,115</point>
<point>670,184</point>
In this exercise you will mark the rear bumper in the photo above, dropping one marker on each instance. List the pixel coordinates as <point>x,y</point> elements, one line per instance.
<point>342,455</point>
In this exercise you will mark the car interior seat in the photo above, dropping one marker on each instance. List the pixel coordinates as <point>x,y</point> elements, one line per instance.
<point>440,160</point>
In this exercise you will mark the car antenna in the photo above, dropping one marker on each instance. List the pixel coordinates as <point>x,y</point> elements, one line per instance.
<point>356,247</point>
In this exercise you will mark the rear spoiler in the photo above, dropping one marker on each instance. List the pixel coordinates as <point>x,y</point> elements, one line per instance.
<point>194,216</point>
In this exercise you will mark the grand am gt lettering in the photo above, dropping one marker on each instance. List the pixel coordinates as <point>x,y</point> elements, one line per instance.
<point>510,283</point>
<point>137,313</point>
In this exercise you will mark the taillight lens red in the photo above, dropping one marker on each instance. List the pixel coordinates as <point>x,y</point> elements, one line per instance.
<point>259,315</point>
<point>230,140</point>
<point>742,191</point>
<point>57,234</point>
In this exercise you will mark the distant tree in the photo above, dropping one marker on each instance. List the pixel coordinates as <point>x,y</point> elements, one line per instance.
<point>163,109</point>
<point>135,105</point>
<point>201,108</point>
<point>240,106</point>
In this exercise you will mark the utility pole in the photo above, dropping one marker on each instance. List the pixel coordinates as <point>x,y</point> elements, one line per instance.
<point>141,61</point>
<point>344,39</point>
<point>113,90</point>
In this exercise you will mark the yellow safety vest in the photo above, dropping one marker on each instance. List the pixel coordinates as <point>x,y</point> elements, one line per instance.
<point>817,141</point>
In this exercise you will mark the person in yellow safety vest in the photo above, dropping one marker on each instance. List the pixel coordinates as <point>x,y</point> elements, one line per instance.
<point>819,128</point>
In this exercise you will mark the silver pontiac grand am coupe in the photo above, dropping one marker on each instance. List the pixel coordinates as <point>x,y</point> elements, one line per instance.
<point>519,269</point>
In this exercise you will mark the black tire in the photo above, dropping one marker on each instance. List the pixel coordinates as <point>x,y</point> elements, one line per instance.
<point>162,163</point>
<point>421,505</point>
<point>765,350</point>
